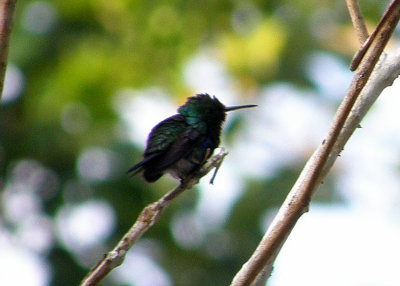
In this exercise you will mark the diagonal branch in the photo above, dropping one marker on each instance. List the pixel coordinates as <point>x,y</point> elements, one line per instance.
<point>299,197</point>
<point>147,218</point>
<point>6,17</point>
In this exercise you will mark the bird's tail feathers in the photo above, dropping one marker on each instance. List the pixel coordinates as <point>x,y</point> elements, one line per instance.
<point>135,169</point>
<point>140,166</point>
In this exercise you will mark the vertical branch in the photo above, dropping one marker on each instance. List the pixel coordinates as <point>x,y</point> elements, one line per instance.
<point>6,18</point>
<point>358,21</point>
<point>382,25</point>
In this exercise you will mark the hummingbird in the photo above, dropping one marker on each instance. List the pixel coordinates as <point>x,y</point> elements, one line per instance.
<point>182,143</point>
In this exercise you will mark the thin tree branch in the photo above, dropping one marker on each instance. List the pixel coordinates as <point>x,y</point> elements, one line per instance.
<point>383,24</point>
<point>384,74</point>
<point>147,218</point>
<point>357,20</point>
<point>298,199</point>
<point>6,18</point>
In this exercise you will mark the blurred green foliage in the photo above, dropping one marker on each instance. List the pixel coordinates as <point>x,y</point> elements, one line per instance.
<point>92,49</point>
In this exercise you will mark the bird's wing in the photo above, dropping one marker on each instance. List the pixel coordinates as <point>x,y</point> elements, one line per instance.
<point>179,149</point>
<point>160,138</point>
<point>172,139</point>
<point>164,134</point>
<point>168,141</point>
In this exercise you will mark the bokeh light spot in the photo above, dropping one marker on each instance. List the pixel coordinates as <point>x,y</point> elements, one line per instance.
<point>13,84</point>
<point>21,267</point>
<point>39,17</point>
<point>97,164</point>
<point>84,225</point>
<point>75,118</point>
<point>187,230</point>
<point>140,269</point>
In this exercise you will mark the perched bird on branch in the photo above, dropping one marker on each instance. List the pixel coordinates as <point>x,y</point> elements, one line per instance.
<point>182,143</point>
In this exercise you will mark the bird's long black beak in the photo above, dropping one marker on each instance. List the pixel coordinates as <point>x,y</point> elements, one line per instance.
<point>231,108</point>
